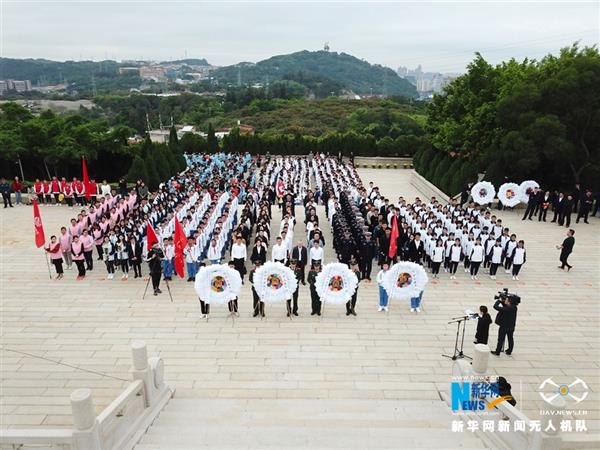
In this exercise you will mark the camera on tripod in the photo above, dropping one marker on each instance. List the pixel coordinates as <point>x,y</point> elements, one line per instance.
<point>504,294</point>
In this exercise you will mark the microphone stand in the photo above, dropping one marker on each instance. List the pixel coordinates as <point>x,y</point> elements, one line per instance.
<point>458,351</point>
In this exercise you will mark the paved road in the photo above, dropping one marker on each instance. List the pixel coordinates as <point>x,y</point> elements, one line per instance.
<point>91,323</point>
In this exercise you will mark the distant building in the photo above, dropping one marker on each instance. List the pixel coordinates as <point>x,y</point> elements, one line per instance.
<point>426,82</point>
<point>244,129</point>
<point>129,70</point>
<point>155,73</point>
<point>15,85</point>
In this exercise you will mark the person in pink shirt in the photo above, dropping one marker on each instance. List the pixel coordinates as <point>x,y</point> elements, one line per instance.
<point>78,257</point>
<point>65,246</point>
<point>88,249</point>
<point>104,225</point>
<point>92,213</point>
<point>74,228</point>
<point>98,239</point>
<point>54,248</point>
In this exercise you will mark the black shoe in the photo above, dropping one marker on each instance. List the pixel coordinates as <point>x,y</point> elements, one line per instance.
<point>353,312</point>
<point>255,315</point>
<point>288,314</point>
<point>155,292</point>
<point>347,313</point>
<point>585,221</point>
<point>495,353</point>
<point>159,291</point>
<point>508,353</point>
<point>318,314</point>
<point>312,313</point>
<point>189,279</point>
<point>296,314</point>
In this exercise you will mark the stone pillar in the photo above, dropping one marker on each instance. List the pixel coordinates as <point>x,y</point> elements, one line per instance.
<point>86,434</point>
<point>140,355</point>
<point>481,358</point>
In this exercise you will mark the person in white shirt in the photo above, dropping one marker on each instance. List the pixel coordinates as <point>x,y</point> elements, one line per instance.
<point>495,254</point>
<point>213,254</point>
<point>437,256</point>
<point>279,252</point>
<point>192,255</point>
<point>316,253</point>
<point>476,257</point>
<point>105,189</point>
<point>509,248</point>
<point>455,254</point>
<point>518,259</point>
<point>239,255</point>
<point>383,297</point>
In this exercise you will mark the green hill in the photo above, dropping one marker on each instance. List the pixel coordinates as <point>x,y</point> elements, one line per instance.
<point>351,72</point>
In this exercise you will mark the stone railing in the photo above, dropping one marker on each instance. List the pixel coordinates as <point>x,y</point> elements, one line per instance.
<point>119,427</point>
<point>427,188</point>
<point>370,162</point>
<point>528,439</point>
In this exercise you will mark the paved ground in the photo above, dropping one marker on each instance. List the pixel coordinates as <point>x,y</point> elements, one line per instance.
<point>91,323</point>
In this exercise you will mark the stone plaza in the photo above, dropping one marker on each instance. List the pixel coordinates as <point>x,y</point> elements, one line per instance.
<point>377,378</point>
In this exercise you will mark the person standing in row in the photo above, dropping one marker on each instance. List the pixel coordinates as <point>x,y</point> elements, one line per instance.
<point>351,304</point>
<point>292,304</point>
<point>519,257</point>
<point>155,256</point>
<point>315,268</point>
<point>300,254</point>
<point>55,251</point>
<point>476,258</point>
<point>78,257</point>
<point>123,256</point>
<point>65,247</point>
<point>5,190</point>
<point>134,249</point>
<point>496,258</point>
<point>108,255</point>
<point>383,296</point>
<point>88,249</point>
<point>437,257</point>
<point>455,254</point>
<point>239,256</point>
<point>257,306</point>
<point>566,249</point>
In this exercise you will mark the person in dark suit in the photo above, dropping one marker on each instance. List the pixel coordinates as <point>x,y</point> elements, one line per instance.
<point>557,205</point>
<point>134,250</point>
<point>416,249</point>
<point>300,255</point>
<point>465,193</point>
<point>367,253</point>
<point>532,204</point>
<point>483,326</point>
<point>585,206</point>
<point>506,319</point>
<point>544,204</point>
<point>566,249</point>
<point>565,218</point>
<point>259,252</point>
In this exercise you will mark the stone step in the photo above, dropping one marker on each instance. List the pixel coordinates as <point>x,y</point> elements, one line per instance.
<point>303,423</point>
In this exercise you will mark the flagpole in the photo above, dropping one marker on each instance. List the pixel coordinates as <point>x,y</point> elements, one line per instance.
<point>48,264</point>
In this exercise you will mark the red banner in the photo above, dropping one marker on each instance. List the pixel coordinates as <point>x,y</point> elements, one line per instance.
<point>393,238</point>
<point>180,243</point>
<point>86,178</point>
<point>40,237</point>
<point>151,236</point>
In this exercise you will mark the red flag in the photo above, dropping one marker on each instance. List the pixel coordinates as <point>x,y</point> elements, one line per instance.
<point>393,237</point>
<point>86,178</point>
<point>40,237</point>
<point>180,243</point>
<point>150,235</point>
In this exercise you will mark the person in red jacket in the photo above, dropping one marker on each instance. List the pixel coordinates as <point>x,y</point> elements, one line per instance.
<point>93,187</point>
<point>47,191</point>
<point>55,188</point>
<point>17,188</point>
<point>38,188</point>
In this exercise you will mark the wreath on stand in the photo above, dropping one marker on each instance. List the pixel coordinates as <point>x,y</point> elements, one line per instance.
<point>509,194</point>
<point>336,283</point>
<point>274,282</point>
<point>525,188</point>
<point>483,192</point>
<point>217,283</point>
<point>405,280</point>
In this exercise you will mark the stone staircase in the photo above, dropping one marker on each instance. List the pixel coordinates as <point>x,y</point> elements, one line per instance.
<point>187,424</point>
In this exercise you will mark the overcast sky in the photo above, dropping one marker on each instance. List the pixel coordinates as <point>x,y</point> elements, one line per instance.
<point>441,36</point>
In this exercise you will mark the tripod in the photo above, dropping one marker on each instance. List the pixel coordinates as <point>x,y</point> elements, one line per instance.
<point>458,351</point>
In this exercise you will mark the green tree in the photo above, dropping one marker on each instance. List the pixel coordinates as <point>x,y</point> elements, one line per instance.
<point>211,140</point>
<point>137,171</point>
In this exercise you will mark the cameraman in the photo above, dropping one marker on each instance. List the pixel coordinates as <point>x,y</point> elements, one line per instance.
<point>506,319</point>
<point>155,257</point>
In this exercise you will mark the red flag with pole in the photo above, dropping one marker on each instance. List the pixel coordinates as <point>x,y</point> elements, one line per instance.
<point>394,237</point>
<point>151,236</point>
<point>86,178</point>
<point>180,243</point>
<point>40,237</point>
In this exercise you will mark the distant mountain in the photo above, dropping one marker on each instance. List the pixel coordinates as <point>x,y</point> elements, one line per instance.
<point>353,73</point>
